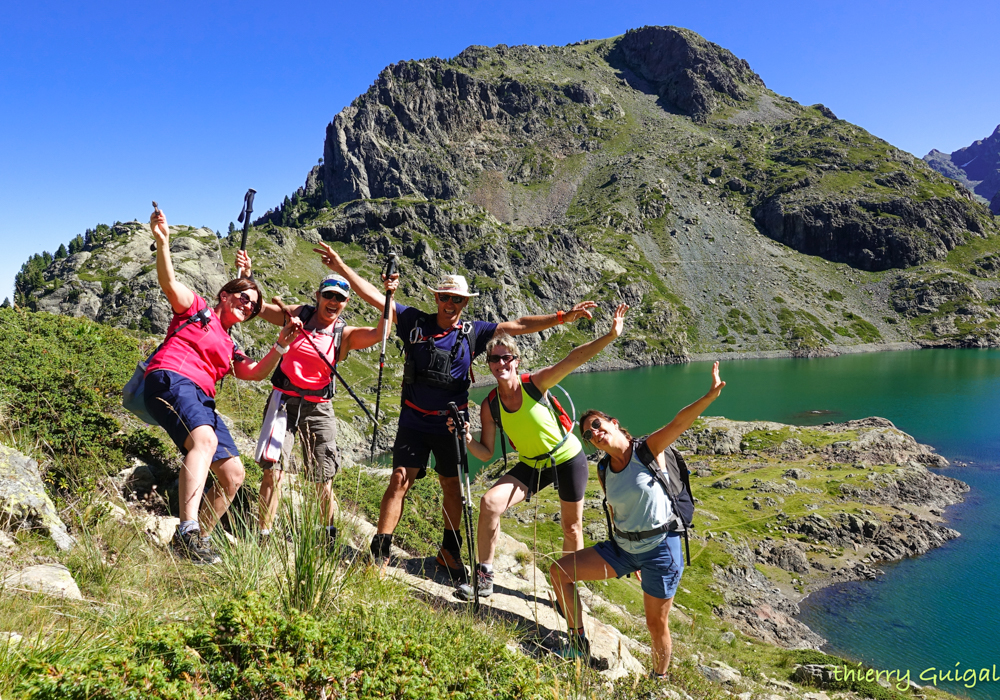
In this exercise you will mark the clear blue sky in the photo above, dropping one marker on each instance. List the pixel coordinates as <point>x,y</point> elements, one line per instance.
<point>105,106</point>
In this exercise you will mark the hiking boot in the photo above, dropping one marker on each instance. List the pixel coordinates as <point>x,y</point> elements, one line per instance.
<point>191,545</point>
<point>577,647</point>
<point>465,592</point>
<point>452,563</point>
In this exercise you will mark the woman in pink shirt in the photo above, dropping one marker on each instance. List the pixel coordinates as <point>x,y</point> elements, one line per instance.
<point>180,391</point>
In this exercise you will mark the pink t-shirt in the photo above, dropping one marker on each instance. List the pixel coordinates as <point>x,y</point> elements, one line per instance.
<point>304,367</point>
<point>203,355</point>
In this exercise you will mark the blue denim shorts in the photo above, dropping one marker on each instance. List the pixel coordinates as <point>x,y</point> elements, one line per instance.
<point>179,406</point>
<point>661,566</point>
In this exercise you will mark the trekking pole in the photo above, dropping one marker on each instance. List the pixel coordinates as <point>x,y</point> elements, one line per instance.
<point>322,355</point>
<point>245,215</point>
<point>390,270</point>
<point>466,490</point>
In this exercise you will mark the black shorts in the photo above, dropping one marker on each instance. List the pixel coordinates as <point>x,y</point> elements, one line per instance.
<point>413,447</point>
<point>572,473</point>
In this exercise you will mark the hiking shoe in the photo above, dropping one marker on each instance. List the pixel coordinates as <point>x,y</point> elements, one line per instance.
<point>465,592</point>
<point>452,563</point>
<point>191,545</point>
<point>576,647</point>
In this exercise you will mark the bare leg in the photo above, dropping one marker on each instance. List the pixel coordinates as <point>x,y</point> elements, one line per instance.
<point>571,517</point>
<point>585,565</point>
<point>657,611</point>
<point>391,510</point>
<point>451,502</point>
<point>270,496</point>
<point>229,475</point>
<point>507,492</point>
<point>201,444</point>
<point>327,501</point>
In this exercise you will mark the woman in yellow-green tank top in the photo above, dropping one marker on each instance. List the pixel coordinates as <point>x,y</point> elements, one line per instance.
<point>547,451</point>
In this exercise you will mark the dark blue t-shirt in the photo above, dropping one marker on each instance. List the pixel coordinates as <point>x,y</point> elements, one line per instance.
<point>427,397</point>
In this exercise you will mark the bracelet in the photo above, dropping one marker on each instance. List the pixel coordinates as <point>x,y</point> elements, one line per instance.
<point>561,316</point>
<point>280,350</point>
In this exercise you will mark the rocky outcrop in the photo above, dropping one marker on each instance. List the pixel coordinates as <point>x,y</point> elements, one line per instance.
<point>689,73</point>
<point>867,234</point>
<point>115,283</point>
<point>976,166</point>
<point>24,503</point>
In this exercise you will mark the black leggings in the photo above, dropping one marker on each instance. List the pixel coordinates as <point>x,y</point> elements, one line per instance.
<point>573,475</point>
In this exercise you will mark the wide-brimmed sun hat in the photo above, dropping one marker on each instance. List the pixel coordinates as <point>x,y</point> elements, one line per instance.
<point>453,284</point>
<point>335,282</point>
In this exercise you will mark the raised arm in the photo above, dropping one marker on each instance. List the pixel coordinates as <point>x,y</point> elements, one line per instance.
<point>358,338</point>
<point>359,285</point>
<point>685,418</point>
<point>179,296</point>
<point>533,324</point>
<point>548,377</point>
<point>256,371</point>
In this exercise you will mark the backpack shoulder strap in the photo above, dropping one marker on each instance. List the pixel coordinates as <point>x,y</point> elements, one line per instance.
<point>338,337</point>
<point>532,390</point>
<point>493,401</point>
<point>647,457</point>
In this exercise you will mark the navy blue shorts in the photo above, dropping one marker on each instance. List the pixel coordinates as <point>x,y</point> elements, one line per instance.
<point>661,566</point>
<point>179,406</point>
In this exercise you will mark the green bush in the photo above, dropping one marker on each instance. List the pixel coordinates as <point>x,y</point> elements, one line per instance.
<point>59,390</point>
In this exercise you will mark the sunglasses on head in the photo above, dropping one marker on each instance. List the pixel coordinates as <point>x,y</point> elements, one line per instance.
<point>589,433</point>
<point>331,294</point>
<point>336,283</point>
<point>493,359</point>
<point>453,298</point>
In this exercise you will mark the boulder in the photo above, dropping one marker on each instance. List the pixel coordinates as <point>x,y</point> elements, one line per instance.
<point>50,579</point>
<point>23,500</point>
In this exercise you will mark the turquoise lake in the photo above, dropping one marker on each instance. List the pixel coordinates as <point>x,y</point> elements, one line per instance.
<point>931,612</point>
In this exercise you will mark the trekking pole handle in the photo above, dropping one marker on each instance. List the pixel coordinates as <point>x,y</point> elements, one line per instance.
<point>156,210</point>
<point>245,215</point>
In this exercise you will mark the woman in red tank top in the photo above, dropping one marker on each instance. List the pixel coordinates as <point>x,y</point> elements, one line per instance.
<point>180,390</point>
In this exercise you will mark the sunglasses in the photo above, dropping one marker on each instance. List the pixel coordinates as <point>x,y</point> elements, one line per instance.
<point>330,294</point>
<point>494,359</point>
<point>589,433</point>
<point>244,299</point>
<point>453,298</point>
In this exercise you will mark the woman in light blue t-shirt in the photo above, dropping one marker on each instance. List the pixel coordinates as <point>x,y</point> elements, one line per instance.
<point>640,508</point>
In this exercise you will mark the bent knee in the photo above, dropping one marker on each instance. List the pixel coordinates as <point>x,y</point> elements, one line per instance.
<point>492,503</point>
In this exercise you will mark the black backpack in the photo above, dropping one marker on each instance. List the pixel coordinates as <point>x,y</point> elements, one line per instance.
<point>676,483</point>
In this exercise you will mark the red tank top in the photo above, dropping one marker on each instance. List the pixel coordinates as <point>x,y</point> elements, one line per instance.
<point>203,355</point>
<point>305,368</point>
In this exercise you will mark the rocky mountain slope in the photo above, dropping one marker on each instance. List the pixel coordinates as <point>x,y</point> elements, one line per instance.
<point>976,166</point>
<point>654,168</point>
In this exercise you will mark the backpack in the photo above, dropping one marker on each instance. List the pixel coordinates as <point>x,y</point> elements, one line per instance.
<point>281,381</point>
<point>438,371</point>
<point>493,400</point>
<point>676,484</point>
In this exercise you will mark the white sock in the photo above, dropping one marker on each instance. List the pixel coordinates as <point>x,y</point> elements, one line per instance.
<point>265,533</point>
<point>187,526</point>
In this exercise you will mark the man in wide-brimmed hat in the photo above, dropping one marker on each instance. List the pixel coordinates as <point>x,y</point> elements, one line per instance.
<point>439,351</point>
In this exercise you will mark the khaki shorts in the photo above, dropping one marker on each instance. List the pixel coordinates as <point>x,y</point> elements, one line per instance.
<point>316,428</point>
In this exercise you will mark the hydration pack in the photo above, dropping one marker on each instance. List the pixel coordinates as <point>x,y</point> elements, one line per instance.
<point>438,371</point>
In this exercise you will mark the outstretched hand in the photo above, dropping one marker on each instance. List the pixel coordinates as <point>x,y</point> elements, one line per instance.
<point>330,257</point>
<point>618,321</point>
<point>717,383</point>
<point>158,225</point>
<point>579,311</point>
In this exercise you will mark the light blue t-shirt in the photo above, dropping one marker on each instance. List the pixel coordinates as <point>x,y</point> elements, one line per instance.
<point>638,502</point>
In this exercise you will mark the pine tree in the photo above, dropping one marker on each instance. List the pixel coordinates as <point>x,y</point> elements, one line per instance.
<point>232,228</point>
<point>76,245</point>
<point>6,303</point>
<point>61,251</point>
